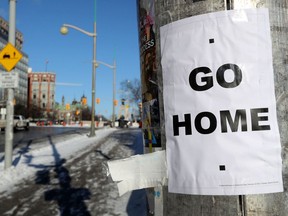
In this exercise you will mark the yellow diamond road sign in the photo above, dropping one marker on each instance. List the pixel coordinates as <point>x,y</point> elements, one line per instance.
<point>9,57</point>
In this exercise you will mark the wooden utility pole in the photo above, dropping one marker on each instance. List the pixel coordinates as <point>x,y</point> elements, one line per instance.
<point>167,11</point>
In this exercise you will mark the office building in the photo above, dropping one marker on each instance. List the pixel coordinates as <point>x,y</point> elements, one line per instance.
<point>20,94</point>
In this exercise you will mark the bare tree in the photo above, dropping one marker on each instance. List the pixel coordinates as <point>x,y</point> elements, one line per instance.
<point>131,90</point>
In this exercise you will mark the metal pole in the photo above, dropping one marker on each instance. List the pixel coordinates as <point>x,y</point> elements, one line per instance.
<point>10,91</point>
<point>114,93</point>
<point>94,65</point>
<point>114,86</point>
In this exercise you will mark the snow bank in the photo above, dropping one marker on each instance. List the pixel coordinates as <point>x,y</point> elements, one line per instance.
<point>28,163</point>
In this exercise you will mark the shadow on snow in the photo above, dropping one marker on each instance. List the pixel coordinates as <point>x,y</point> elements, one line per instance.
<point>70,200</point>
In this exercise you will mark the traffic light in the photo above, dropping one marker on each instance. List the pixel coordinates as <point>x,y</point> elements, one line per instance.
<point>140,105</point>
<point>67,106</point>
<point>122,101</point>
<point>98,100</point>
<point>115,102</point>
<point>84,101</point>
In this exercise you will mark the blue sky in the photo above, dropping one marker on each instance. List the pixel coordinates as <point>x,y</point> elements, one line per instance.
<point>70,56</point>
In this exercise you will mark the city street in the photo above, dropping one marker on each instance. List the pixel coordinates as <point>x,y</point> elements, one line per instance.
<point>37,135</point>
<point>75,185</point>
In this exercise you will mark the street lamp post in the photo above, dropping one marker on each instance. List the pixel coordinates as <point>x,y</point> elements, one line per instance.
<point>114,87</point>
<point>64,31</point>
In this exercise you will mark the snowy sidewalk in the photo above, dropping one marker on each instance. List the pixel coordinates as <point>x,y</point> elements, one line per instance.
<point>68,178</point>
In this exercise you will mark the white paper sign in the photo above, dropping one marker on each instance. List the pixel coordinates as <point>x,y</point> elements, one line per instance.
<point>219,102</point>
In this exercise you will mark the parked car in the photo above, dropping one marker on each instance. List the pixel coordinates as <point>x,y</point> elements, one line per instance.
<point>19,121</point>
<point>108,123</point>
<point>123,122</point>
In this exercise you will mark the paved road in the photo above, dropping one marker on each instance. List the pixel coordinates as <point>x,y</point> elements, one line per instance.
<point>41,134</point>
<point>79,186</point>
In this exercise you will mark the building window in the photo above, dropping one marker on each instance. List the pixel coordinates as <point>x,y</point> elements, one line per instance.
<point>43,105</point>
<point>43,96</point>
<point>34,96</point>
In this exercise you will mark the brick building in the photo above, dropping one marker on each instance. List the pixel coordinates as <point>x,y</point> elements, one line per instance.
<point>41,94</point>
